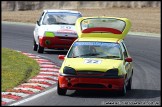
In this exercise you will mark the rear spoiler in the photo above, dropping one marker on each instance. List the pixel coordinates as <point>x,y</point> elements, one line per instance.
<point>102,32</point>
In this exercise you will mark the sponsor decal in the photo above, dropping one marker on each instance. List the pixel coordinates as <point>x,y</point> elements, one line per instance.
<point>66,31</point>
<point>96,44</point>
<point>92,61</point>
<point>65,27</point>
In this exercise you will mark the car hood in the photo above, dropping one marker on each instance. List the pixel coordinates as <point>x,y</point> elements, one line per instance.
<point>59,30</point>
<point>92,64</point>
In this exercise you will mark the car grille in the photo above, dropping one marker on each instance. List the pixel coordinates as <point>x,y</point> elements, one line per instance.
<point>81,85</point>
<point>67,37</point>
<point>90,73</point>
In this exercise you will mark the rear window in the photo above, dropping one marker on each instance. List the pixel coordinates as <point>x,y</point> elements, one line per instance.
<point>66,18</point>
<point>103,22</point>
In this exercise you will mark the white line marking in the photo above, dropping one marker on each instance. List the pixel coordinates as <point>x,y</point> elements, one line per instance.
<point>52,77</point>
<point>46,76</point>
<point>43,56</point>
<point>47,66</point>
<point>41,62</point>
<point>48,73</point>
<point>7,100</point>
<point>45,80</point>
<point>34,97</point>
<point>48,69</point>
<point>33,56</point>
<point>45,60</point>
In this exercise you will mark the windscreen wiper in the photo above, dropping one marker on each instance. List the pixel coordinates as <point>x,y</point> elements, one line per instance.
<point>89,54</point>
<point>66,23</point>
<point>109,57</point>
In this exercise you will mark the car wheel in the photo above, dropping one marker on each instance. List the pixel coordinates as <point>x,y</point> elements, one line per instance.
<point>60,91</point>
<point>129,86</point>
<point>35,46</point>
<point>40,49</point>
<point>124,90</point>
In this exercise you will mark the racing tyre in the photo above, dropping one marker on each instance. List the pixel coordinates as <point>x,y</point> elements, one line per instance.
<point>124,91</point>
<point>40,49</point>
<point>129,86</point>
<point>60,91</point>
<point>35,46</point>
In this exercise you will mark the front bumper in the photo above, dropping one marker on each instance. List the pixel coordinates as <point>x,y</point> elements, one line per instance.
<point>56,42</point>
<point>90,83</point>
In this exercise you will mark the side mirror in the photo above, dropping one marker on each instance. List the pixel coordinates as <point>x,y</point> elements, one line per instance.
<point>61,57</point>
<point>38,23</point>
<point>128,59</point>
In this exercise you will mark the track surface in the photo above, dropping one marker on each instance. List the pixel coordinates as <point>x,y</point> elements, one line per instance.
<point>145,52</point>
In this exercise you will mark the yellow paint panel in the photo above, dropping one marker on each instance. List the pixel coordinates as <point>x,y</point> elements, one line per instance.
<point>103,65</point>
<point>105,34</point>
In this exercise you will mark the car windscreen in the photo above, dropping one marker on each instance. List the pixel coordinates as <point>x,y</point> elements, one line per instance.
<point>108,50</point>
<point>103,23</point>
<point>66,18</point>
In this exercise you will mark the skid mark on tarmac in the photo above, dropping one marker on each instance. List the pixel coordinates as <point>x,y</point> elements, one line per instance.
<point>46,78</point>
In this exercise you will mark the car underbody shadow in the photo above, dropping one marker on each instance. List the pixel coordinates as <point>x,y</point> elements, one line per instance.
<point>131,94</point>
<point>57,52</point>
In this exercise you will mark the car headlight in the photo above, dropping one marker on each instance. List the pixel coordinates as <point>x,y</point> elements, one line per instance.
<point>69,70</point>
<point>112,72</point>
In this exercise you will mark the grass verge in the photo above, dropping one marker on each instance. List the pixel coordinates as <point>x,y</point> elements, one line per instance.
<point>16,68</point>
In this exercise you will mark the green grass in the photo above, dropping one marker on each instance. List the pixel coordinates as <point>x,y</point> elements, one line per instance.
<point>16,68</point>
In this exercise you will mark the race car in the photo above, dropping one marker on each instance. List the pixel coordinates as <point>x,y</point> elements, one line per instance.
<point>55,29</point>
<point>99,58</point>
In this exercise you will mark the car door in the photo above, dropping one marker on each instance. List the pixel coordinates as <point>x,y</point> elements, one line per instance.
<point>126,64</point>
<point>37,26</point>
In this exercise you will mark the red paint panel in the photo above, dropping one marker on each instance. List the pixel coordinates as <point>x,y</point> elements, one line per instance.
<point>21,91</point>
<point>31,86</point>
<point>41,82</point>
<point>99,29</point>
<point>57,42</point>
<point>117,84</point>
<point>44,61</point>
<point>11,96</point>
<point>48,75</point>
<point>47,66</point>
<point>46,71</point>
<point>44,78</point>
<point>3,103</point>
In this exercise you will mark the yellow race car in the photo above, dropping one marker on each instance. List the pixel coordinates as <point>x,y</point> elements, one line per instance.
<point>98,59</point>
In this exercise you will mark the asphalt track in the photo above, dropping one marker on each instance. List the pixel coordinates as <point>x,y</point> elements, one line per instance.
<point>146,54</point>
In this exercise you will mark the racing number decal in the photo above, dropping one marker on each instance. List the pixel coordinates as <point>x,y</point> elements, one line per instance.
<point>91,61</point>
<point>65,27</point>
